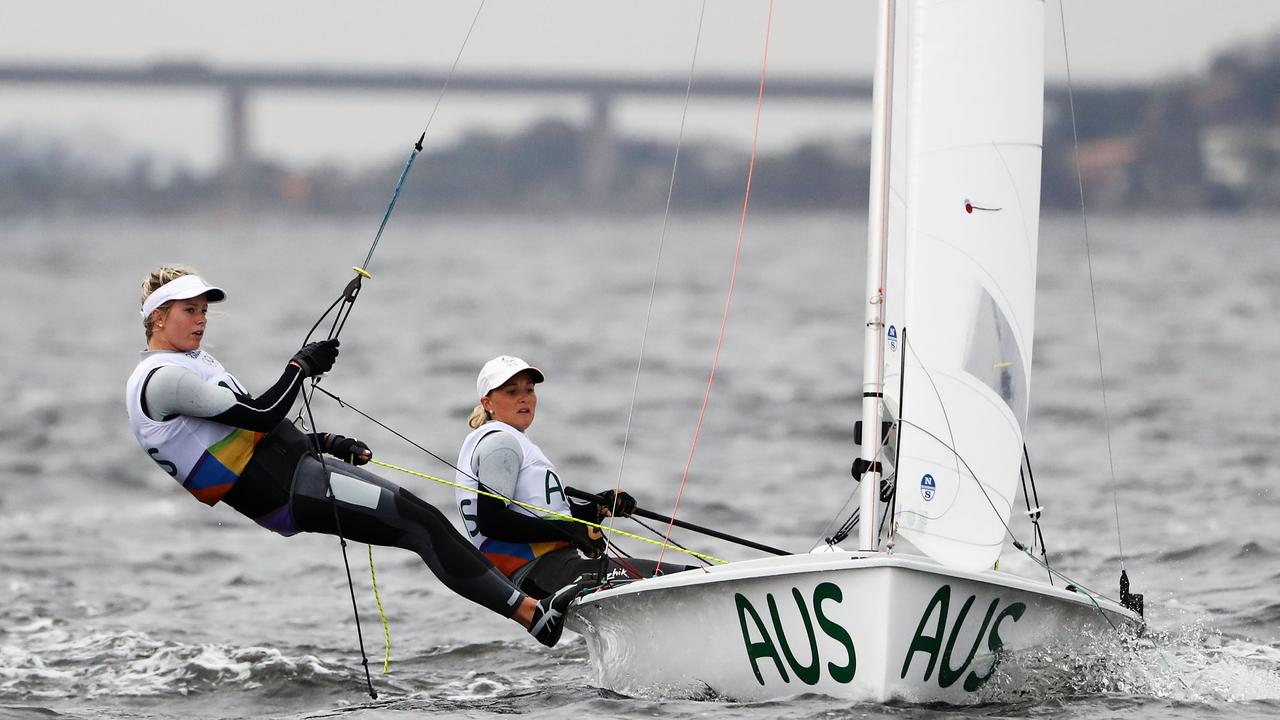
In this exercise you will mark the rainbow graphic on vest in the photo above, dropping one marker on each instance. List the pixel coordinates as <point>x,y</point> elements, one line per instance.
<point>509,557</point>
<point>220,466</point>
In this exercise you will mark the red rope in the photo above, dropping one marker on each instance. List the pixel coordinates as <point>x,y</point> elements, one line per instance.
<point>733,279</point>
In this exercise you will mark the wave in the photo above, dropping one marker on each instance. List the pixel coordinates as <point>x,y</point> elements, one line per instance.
<point>59,665</point>
<point>1189,664</point>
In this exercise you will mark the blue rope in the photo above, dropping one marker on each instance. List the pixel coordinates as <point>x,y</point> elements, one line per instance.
<point>417,148</point>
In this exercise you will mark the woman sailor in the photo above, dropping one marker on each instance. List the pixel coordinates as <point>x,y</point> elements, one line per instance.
<point>537,552</point>
<point>197,422</point>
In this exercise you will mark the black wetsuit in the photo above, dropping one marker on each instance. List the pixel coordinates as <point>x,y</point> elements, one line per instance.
<point>286,486</point>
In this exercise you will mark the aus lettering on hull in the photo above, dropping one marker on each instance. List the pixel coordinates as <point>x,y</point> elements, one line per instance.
<point>761,646</point>
<point>930,633</point>
<point>795,638</point>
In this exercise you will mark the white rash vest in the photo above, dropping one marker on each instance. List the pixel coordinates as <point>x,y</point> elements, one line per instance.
<point>204,456</point>
<point>536,484</point>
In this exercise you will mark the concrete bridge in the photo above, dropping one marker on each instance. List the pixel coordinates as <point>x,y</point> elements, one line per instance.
<point>237,87</point>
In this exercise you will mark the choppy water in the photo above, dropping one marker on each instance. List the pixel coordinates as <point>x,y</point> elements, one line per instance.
<point>122,597</point>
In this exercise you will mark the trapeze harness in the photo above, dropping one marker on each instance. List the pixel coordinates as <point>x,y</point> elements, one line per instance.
<point>195,420</point>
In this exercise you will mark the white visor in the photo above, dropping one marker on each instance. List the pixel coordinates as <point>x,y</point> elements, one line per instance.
<point>501,369</point>
<point>183,288</point>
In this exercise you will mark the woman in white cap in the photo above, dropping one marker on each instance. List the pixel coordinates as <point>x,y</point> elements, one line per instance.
<point>195,420</point>
<point>538,553</point>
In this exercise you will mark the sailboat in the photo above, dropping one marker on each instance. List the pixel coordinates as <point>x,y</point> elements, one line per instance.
<point>919,611</point>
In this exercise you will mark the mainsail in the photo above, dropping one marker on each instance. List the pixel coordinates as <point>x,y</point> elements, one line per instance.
<point>961,266</point>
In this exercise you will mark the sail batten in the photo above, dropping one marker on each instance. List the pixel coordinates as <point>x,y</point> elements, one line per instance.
<point>962,256</point>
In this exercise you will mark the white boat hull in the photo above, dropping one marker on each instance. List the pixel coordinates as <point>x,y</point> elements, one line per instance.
<point>868,627</point>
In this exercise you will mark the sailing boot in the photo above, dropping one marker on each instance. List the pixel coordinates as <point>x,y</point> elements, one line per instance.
<point>548,616</point>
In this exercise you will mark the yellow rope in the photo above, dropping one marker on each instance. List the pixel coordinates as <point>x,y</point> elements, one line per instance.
<point>551,513</point>
<point>386,627</point>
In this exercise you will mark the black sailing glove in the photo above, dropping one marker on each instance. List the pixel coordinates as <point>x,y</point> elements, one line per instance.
<point>317,357</point>
<point>617,503</point>
<point>349,449</point>
<point>587,539</point>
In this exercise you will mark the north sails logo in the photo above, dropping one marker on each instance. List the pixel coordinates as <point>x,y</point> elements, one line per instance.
<point>928,487</point>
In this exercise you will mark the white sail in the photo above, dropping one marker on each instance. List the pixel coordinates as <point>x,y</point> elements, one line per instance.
<point>968,94</point>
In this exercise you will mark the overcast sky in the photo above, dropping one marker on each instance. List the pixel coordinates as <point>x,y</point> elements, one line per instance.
<point>1109,40</point>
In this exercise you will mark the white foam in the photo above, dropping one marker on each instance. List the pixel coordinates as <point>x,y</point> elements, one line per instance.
<point>130,663</point>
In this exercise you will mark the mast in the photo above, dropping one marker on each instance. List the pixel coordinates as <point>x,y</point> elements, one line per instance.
<point>877,238</point>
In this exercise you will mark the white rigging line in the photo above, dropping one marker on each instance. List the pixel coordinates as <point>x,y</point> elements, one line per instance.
<point>1093,293</point>
<point>417,148</point>
<point>454,67</point>
<point>662,237</point>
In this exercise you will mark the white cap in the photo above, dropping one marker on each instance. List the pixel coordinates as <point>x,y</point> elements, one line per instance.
<point>501,369</point>
<point>183,288</point>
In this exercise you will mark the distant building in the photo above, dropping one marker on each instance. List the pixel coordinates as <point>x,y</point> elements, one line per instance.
<point>1239,106</point>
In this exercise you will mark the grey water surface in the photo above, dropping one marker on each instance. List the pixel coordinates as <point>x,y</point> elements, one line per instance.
<point>123,597</point>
